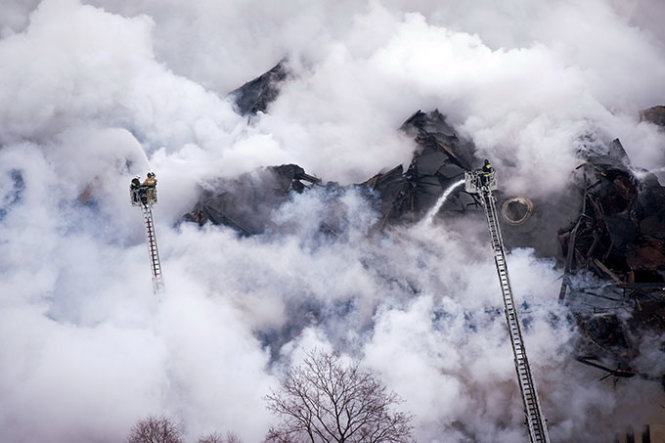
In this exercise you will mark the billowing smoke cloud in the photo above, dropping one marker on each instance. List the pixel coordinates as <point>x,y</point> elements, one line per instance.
<point>94,92</point>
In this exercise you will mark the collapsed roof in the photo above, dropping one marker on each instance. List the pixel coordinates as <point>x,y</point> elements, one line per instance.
<point>255,95</point>
<point>440,159</point>
<point>606,228</point>
<point>655,115</point>
<point>245,203</point>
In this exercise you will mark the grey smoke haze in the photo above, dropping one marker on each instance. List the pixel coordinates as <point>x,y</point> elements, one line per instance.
<point>94,92</point>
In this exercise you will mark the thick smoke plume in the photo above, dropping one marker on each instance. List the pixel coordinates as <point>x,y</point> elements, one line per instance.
<point>94,92</point>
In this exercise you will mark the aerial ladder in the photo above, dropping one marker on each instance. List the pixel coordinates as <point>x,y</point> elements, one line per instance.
<point>483,182</point>
<point>144,195</point>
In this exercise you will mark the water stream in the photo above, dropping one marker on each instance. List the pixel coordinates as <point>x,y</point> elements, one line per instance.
<point>429,218</point>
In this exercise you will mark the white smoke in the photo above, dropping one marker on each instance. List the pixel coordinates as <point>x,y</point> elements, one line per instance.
<point>91,94</point>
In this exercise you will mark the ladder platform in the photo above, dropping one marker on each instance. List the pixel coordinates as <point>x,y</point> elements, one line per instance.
<point>144,195</point>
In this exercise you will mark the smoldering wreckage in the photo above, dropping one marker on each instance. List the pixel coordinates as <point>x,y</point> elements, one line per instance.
<point>606,230</point>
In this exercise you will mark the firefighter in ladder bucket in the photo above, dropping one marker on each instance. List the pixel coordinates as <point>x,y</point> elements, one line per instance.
<point>486,173</point>
<point>480,180</point>
<point>134,187</point>
<point>150,185</point>
<point>144,193</point>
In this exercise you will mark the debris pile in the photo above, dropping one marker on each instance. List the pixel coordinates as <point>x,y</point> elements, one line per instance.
<point>655,115</point>
<point>255,95</point>
<point>245,203</point>
<point>440,159</point>
<point>607,228</point>
<point>620,230</point>
<point>614,261</point>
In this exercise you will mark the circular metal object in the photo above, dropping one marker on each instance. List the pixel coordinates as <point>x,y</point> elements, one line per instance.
<point>516,210</point>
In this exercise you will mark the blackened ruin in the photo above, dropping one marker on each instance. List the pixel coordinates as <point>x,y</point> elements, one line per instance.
<point>606,229</point>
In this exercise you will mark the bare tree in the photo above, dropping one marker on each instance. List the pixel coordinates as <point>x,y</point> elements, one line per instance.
<point>325,401</point>
<point>155,430</point>
<point>216,437</point>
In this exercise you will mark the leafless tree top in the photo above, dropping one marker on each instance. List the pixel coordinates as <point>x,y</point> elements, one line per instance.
<point>155,430</point>
<point>216,437</point>
<point>325,401</point>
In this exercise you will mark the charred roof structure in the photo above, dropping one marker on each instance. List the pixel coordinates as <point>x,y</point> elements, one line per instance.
<point>255,95</point>
<point>246,202</point>
<point>606,228</point>
<point>440,159</point>
<point>655,115</point>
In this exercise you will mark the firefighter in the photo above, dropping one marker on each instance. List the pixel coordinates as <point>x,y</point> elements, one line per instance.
<point>487,167</point>
<point>486,173</point>
<point>149,186</point>
<point>134,188</point>
<point>150,181</point>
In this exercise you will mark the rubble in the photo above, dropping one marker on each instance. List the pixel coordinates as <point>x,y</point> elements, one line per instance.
<point>606,228</point>
<point>617,239</point>
<point>619,232</point>
<point>655,115</point>
<point>245,203</point>
<point>255,95</point>
<point>441,159</point>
